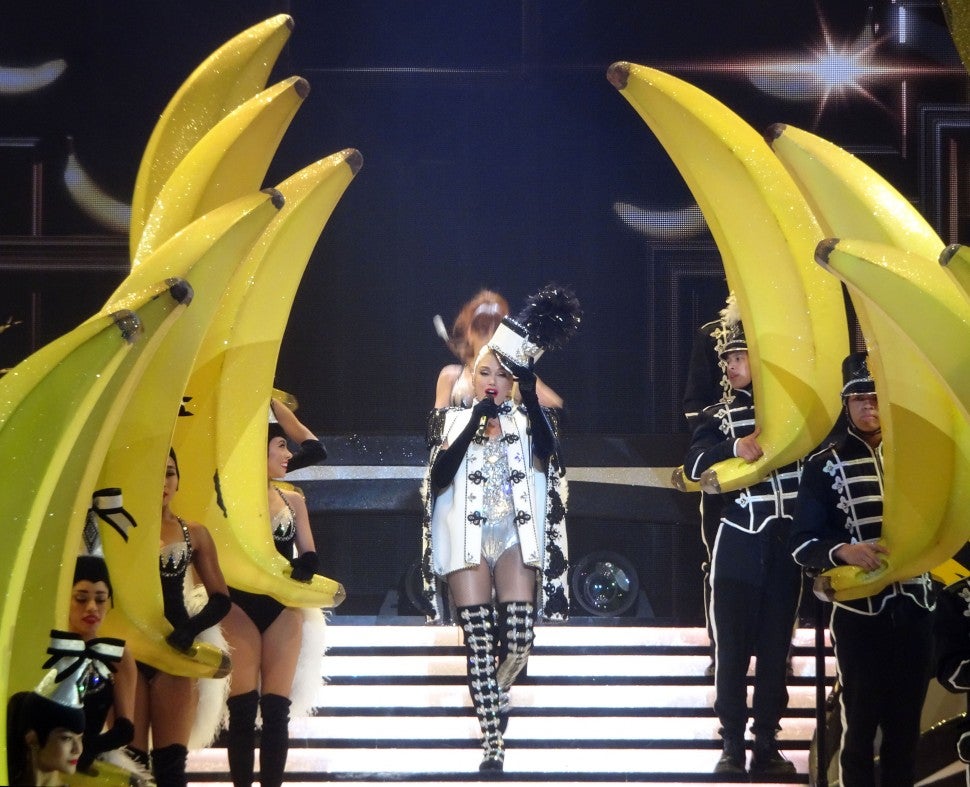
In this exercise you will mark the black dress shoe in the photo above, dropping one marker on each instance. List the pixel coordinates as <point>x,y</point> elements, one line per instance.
<point>766,760</point>
<point>730,765</point>
<point>732,758</point>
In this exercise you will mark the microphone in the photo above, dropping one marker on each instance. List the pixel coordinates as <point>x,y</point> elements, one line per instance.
<point>483,422</point>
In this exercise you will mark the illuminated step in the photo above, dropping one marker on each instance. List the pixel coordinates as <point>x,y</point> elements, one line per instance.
<point>547,635</point>
<point>599,703</point>
<point>322,730</point>
<point>591,697</point>
<point>619,762</point>
<point>543,664</point>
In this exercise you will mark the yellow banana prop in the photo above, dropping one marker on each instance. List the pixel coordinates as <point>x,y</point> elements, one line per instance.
<point>228,162</point>
<point>851,200</point>
<point>206,254</point>
<point>44,602</point>
<point>957,15</point>
<point>44,403</point>
<point>231,75</point>
<point>925,430</point>
<point>231,384</point>
<point>955,260</point>
<point>923,302</point>
<point>793,314</point>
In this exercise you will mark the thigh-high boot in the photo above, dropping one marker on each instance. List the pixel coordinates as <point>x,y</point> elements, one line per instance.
<point>274,741</point>
<point>168,765</point>
<point>516,620</point>
<point>241,738</point>
<point>479,629</point>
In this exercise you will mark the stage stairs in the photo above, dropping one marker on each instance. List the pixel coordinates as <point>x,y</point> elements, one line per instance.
<point>601,703</point>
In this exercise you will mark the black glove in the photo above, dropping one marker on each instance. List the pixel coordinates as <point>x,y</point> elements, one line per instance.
<point>311,452</point>
<point>446,462</point>
<point>184,635</point>
<point>304,567</point>
<point>543,438</point>
<point>524,375</point>
<point>484,409</point>
<point>122,732</point>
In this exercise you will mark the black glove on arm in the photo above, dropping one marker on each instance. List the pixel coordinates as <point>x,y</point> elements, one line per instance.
<point>543,438</point>
<point>311,452</point>
<point>121,733</point>
<point>446,462</point>
<point>304,567</point>
<point>216,609</point>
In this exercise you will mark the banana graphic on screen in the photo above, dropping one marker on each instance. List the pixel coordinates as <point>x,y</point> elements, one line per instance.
<point>17,80</point>
<point>100,206</point>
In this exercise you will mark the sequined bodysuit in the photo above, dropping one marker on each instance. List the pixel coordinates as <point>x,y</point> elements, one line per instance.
<point>498,530</point>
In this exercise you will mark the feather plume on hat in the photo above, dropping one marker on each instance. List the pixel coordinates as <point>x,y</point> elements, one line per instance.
<point>550,318</point>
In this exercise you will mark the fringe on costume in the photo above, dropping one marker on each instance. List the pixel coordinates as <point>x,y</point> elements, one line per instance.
<point>212,691</point>
<point>137,774</point>
<point>309,667</point>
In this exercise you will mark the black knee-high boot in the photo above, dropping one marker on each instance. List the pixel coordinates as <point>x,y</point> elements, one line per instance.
<point>274,740</point>
<point>168,765</point>
<point>140,756</point>
<point>479,629</point>
<point>516,620</point>
<point>241,737</point>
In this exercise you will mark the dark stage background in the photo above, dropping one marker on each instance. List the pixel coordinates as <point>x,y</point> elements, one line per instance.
<point>495,154</point>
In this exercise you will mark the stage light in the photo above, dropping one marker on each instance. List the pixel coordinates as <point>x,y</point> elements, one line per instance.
<point>605,584</point>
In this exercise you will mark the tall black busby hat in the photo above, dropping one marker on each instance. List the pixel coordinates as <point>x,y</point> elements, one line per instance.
<point>856,378</point>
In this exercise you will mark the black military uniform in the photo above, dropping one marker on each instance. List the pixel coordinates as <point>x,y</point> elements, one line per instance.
<point>706,383</point>
<point>952,630</point>
<point>756,586</point>
<point>883,643</point>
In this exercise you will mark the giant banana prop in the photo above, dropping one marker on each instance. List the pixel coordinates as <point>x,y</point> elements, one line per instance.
<point>955,260</point>
<point>224,437</point>
<point>231,75</point>
<point>44,403</point>
<point>957,15</point>
<point>51,563</point>
<point>206,253</point>
<point>926,431</point>
<point>229,161</point>
<point>793,314</point>
<point>853,201</point>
